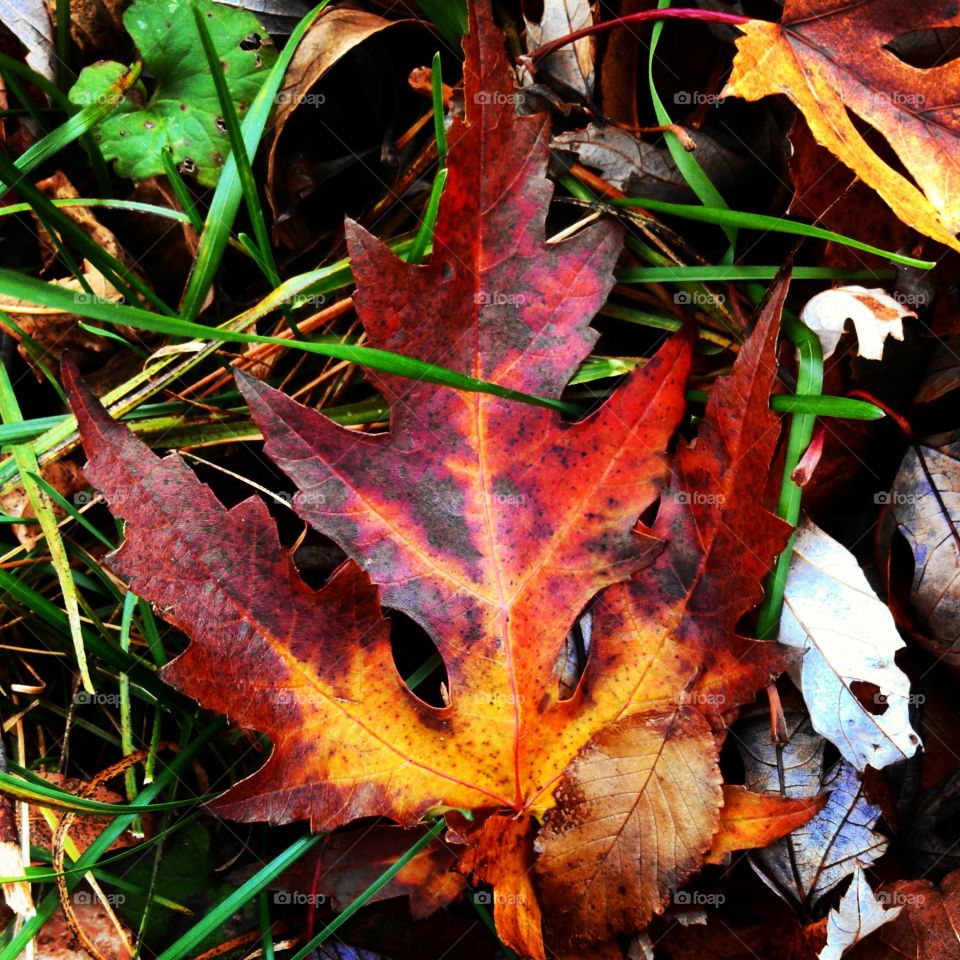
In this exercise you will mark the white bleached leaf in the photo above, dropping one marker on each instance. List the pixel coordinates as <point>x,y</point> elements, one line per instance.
<point>858,915</point>
<point>875,315</point>
<point>30,23</point>
<point>849,636</point>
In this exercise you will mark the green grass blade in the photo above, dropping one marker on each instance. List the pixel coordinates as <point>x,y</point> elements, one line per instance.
<point>424,238</point>
<point>722,216</point>
<point>367,894</point>
<point>134,205</point>
<point>36,291</point>
<point>58,223</point>
<point>439,124</point>
<point>46,908</point>
<point>42,794</point>
<point>217,917</point>
<point>686,162</point>
<point>27,463</point>
<point>228,193</point>
<point>844,408</point>
<point>79,124</point>
<point>181,191</point>
<point>448,16</point>
<point>248,184</point>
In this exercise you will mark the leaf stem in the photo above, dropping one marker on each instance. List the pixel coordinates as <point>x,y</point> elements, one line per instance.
<point>682,13</point>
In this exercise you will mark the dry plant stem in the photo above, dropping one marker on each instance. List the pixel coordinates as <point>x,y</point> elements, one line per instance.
<point>261,351</point>
<point>309,387</point>
<point>680,13</point>
<point>413,173</point>
<point>679,132</point>
<point>234,943</point>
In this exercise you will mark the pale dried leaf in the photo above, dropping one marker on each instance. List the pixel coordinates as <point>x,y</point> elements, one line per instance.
<point>857,916</point>
<point>848,637</point>
<point>924,505</point>
<point>29,22</point>
<point>875,315</point>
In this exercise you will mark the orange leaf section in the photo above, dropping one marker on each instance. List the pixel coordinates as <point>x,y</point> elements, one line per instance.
<point>721,541</point>
<point>636,811</point>
<point>831,57</point>
<point>749,820</point>
<point>502,855</point>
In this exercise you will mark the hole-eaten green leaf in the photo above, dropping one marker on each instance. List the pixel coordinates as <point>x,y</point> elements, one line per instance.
<point>182,114</point>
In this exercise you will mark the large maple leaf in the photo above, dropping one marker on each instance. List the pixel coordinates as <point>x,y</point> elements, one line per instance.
<point>491,524</point>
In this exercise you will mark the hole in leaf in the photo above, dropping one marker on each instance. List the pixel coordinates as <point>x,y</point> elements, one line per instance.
<point>575,654</point>
<point>870,697</point>
<point>649,516</point>
<point>924,49</point>
<point>418,660</point>
<point>251,42</point>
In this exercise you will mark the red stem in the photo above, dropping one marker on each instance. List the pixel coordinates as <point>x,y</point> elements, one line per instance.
<point>707,16</point>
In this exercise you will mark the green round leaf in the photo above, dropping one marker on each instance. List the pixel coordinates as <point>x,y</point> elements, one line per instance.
<point>182,115</point>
